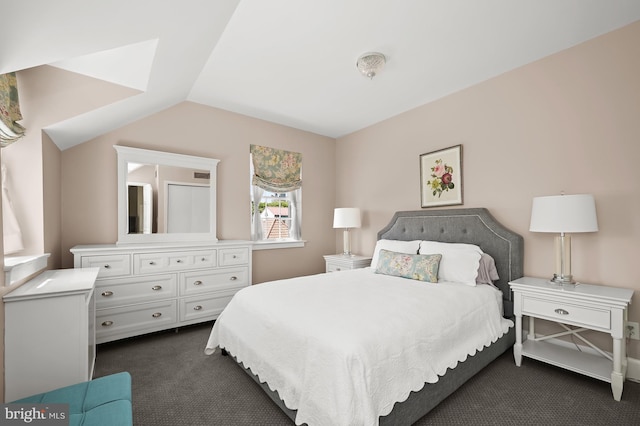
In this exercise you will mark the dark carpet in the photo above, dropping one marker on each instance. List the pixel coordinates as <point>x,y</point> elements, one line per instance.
<point>175,383</point>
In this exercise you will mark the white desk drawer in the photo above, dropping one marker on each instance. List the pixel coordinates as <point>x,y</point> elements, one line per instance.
<point>567,313</point>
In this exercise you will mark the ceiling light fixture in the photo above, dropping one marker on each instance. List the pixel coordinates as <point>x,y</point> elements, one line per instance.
<point>370,64</point>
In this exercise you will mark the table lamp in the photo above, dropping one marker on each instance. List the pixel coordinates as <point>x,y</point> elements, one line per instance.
<point>563,214</point>
<point>347,218</point>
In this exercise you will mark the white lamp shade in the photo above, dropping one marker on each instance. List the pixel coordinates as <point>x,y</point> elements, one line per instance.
<point>346,218</point>
<point>564,213</point>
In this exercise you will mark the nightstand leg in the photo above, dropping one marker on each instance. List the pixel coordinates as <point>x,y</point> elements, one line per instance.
<point>617,378</point>
<point>517,348</point>
<point>532,328</point>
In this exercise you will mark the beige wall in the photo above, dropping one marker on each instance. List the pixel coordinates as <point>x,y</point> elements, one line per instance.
<point>52,199</point>
<point>47,95</point>
<point>89,181</point>
<point>569,122</point>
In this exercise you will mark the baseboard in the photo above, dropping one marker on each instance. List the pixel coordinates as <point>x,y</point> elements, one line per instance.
<point>633,369</point>
<point>633,364</point>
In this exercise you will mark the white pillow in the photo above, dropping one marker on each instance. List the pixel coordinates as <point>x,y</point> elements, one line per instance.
<point>407,247</point>
<point>459,262</point>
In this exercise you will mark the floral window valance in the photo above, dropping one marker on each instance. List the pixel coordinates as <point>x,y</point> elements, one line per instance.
<point>276,170</point>
<point>10,130</point>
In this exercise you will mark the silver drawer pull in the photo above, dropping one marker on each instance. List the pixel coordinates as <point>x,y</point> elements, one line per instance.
<point>179,260</point>
<point>157,315</point>
<point>197,282</point>
<point>338,269</point>
<point>561,312</point>
<point>152,263</point>
<point>233,278</point>
<point>107,323</point>
<point>107,266</point>
<point>156,287</point>
<point>204,259</point>
<point>197,308</point>
<point>235,257</point>
<point>107,293</point>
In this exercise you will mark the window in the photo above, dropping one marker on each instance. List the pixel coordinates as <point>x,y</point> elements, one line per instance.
<point>276,191</point>
<point>275,216</point>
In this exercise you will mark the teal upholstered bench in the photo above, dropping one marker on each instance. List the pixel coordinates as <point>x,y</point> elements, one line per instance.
<point>105,401</point>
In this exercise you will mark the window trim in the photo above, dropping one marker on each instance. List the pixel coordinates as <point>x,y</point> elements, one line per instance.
<point>274,244</point>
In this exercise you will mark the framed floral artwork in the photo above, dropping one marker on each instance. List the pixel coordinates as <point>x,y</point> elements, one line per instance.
<point>441,177</point>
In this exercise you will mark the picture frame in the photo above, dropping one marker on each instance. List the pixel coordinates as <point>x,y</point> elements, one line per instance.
<point>441,177</point>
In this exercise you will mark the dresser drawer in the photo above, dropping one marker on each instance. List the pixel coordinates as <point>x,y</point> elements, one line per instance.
<point>127,291</point>
<point>126,321</point>
<point>198,282</point>
<point>233,256</point>
<point>202,308</point>
<point>151,263</point>
<point>115,265</point>
<point>567,313</point>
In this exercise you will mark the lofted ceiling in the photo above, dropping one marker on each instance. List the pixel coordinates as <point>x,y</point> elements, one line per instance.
<point>290,62</point>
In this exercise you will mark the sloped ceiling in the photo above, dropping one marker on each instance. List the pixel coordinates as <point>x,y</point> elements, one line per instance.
<point>291,62</point>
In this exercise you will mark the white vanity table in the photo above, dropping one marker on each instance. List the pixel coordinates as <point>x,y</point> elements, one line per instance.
<point>49,332</point>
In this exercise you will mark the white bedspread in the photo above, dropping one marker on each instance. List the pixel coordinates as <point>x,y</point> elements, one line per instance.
<point>343,348</point>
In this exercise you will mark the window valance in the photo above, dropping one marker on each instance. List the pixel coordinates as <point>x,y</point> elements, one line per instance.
<point>10,130</point>
<point>276,170</point>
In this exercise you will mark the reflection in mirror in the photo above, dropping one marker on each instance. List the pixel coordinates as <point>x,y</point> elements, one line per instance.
<point>165,197</point>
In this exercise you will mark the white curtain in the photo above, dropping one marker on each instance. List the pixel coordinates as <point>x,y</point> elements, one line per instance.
<point>256,220</point>
<point>11,232</point>
<point>296,216</point>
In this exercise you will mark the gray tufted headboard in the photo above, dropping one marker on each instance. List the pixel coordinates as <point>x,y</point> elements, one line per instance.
<point>472,226</point>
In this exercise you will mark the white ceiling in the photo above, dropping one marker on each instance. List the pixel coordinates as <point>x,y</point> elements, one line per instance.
<point>291,62</point>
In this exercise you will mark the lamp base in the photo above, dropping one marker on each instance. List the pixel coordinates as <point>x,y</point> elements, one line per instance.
<point>346,242</point>
<point>562,279</point>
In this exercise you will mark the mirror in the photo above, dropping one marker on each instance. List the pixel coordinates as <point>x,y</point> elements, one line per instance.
<point>165,197</point>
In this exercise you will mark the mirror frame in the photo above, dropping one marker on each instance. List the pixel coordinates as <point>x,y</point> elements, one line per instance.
<point>126,155</point>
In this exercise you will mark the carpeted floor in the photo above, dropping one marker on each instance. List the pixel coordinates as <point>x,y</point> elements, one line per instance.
<point>175,383</point>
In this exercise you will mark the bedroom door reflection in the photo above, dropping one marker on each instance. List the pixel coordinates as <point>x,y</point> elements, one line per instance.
<point>187,208</point>
<point>140,208</point>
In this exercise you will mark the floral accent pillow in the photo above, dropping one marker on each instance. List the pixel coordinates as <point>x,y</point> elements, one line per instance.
<point>414,266</point>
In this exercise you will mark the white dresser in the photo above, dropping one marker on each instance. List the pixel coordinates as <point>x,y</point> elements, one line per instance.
<point>49,339</point>
<point>143,288</point>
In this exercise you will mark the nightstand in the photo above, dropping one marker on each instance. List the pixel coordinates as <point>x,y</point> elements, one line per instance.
<point>576,308</point>
<point>341,262</point>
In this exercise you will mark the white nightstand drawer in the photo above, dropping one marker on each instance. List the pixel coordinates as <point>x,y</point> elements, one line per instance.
<point>345,262</point>
<point>332,267</point>
<point>567,313</point>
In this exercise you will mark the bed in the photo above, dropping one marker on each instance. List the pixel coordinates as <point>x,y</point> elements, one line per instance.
<point>311,363</point>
